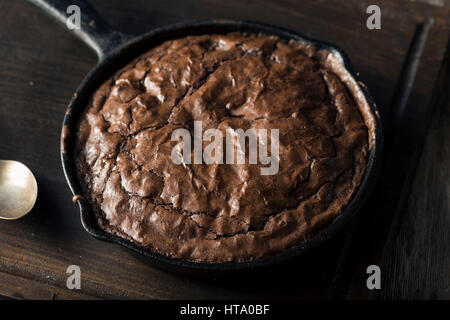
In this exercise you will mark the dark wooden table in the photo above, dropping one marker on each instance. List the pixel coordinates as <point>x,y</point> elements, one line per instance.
<point>403,229</point>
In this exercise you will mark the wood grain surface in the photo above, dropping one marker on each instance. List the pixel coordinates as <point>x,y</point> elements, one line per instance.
<point>41,64</point>
<point>417,265</point>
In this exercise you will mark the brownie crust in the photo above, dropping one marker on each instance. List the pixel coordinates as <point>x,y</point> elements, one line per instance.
<point>223,212</point>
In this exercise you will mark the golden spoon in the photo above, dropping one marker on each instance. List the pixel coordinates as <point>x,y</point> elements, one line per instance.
<point>18,190</point>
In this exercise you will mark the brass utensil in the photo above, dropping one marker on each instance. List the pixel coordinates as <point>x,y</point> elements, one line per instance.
<point>18,190</point>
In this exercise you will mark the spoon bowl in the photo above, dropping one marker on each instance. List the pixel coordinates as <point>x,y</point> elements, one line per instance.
<point>18,190</point>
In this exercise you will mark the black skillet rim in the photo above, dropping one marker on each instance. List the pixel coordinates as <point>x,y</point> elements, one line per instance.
<point>124,54</point>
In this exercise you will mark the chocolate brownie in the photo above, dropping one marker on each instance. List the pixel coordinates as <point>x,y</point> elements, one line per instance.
<point>223,212</point>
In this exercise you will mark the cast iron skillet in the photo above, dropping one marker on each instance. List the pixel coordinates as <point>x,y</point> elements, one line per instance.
<point>114,50</point>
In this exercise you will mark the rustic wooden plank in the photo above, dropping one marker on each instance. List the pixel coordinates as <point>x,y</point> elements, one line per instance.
<point>417,265</point>
<point>39,74</point>
<point>15,287</point>
<point>393,187</point>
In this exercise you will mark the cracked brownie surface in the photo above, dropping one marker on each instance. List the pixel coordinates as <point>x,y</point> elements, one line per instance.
<point>222,212</point>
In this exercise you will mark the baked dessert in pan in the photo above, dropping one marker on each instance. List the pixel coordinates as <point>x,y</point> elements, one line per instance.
<point>223,212</point>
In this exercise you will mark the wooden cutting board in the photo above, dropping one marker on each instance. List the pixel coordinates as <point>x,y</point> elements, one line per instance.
<point>41,64</point>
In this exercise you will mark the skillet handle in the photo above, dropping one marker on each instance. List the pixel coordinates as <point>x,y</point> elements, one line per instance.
<point>94,31</point>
